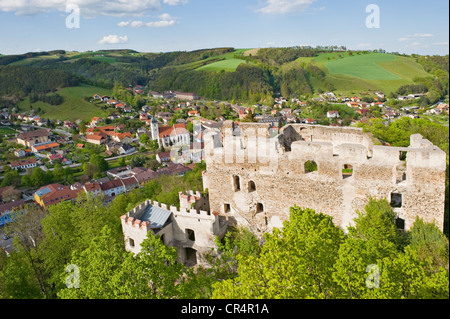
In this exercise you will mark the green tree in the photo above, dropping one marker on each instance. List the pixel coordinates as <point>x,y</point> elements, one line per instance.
<point>408,276</point>
<point>100,162</point>
<point>97,265</point>
<point>11,178</point>
<point>190,127</point>
<point>71,226</point>
<point>82,128</point>
<point>38,177</point>
<point>250,117</point>
<point>17,278</point>
<point>58,172</point>
<point>296,262</point>
<point>23,275</point>
<point>144,139</point>
<point>90,169</point>
<point>151,274</point>
<point>26,180</point>
<point>372,238</point>
<point>429,242</point>
<point>154,145</point>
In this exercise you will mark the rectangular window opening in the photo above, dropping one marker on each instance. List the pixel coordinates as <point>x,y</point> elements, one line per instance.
<point>396,200</point>
<point>347,171</point>
<point>237,183</point>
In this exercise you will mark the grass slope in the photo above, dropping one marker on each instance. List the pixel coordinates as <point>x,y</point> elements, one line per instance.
<point>368,72</point>
<point>228,64</point>
<point>74,106</point>
<point>364,66</point>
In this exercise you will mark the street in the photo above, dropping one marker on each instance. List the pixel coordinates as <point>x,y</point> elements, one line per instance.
<point>5,244</point>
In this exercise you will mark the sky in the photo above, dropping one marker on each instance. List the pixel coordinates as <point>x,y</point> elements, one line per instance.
<point>413,26</point>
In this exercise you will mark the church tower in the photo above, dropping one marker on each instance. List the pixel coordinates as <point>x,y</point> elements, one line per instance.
<point>154,129</point>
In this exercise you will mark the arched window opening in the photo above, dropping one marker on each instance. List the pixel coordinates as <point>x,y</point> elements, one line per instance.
<point>251,186</point>
<point>259,208</point>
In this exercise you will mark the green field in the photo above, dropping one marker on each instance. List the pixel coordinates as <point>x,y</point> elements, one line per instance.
<point>404,67</point>
<point>7,131</point>
<point>106,59</point>
<point>367,72</point>
<point>363,66</point>
<point>30,61</point>
<point>74,106</point>
<point>228,64</point>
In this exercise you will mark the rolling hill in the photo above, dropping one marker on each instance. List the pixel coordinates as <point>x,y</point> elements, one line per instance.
<point>74,106</point>
<point>251,75</point>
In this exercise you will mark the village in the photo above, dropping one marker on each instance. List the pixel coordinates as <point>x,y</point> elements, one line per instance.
<point>45,162</point>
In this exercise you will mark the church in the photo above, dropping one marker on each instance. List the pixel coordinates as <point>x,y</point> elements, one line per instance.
<point>167,136</point>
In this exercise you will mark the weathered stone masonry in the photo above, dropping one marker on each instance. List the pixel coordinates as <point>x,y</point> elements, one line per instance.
<point>255,175</point>
<point>253,179</point>
<point>190,230</point>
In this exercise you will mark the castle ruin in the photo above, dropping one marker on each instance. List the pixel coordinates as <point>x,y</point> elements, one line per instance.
<point>255,173</point>
<point>254,176</point>
<point>190,230</point>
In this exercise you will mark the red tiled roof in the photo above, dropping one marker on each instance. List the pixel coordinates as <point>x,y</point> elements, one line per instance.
<point>11,205</point>
<point>59,193</point>
<point>46,146</point>
<point>95,137</point>
<point>28,161</point>
<point>33,134</point>
<point>90,187</point>
<point>176,129</point>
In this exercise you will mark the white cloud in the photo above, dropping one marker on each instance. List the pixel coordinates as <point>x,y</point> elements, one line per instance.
<point>175,2</point>
<point>165,16</point>
<point>123,23</point>
<point>88,8</point>
<point>285,6</point>
<point>415,36</point>
<point>114,39</point>
<point>166,20</point>
<point>441,43</point>
<point>422,35</point>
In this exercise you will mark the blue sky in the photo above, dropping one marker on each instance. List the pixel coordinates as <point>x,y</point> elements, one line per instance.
<point>168,25</point>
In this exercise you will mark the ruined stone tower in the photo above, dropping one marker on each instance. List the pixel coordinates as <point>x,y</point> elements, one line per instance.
<point>254,179</point>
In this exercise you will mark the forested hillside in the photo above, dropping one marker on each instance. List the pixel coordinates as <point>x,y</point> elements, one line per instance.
<point>16,82</point>
<point>252,77</point>
<point>248,83</point>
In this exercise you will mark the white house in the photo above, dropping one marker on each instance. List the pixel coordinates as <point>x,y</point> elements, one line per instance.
<point>112,188</point>
<point>332,114</point>
<point>126,149</point>
<point>24,164</point>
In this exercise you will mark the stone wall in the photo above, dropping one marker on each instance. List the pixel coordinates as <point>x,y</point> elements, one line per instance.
<point>275,167</point>
<point>187,228</point>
